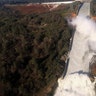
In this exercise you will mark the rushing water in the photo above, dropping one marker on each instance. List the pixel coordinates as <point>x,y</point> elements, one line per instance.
<point>76,84</point>
<point>77,81</point>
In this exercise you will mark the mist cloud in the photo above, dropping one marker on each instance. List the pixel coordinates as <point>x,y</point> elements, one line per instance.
<point>79,84</point>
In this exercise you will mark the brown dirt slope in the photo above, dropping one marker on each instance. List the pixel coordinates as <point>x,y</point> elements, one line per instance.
<point>34,8</point>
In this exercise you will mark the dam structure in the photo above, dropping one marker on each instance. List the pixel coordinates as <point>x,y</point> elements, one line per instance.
<point>76,80</point>
<point>78,51</point>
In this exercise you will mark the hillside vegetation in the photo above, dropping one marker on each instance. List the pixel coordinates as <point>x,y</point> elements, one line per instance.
<point>33,49</point>
<point>30,50</point>
<point>93,8</point>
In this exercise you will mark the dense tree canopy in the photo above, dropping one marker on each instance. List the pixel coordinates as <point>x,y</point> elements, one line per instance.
<point>30,50</point>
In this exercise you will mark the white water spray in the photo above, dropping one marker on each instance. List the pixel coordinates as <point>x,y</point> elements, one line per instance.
<point>77,81</point>
<point>75,85</point>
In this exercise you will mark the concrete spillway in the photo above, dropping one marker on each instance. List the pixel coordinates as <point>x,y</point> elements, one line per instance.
<point>85,9</point>
<point>77,81</point>
<point>76,62</point>
<point>63,2</point>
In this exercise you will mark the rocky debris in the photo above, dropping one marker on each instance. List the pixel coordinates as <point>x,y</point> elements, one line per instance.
<point>93,66</point>
<point>92,69</point>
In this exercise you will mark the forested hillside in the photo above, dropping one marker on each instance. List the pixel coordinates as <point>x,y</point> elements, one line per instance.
<point>30,50</point>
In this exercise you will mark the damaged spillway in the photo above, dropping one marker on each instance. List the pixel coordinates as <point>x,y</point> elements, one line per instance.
<point>78,61</point>
<point>76,81</point>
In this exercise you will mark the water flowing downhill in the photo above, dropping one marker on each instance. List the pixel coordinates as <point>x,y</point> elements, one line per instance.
<point>79,48</point>
<point>77,82</point>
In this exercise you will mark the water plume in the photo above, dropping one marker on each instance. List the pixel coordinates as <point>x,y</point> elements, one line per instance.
<point>77,82</point>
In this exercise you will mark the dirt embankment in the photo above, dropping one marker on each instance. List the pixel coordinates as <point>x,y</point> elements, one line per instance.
<point>35,8</point>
